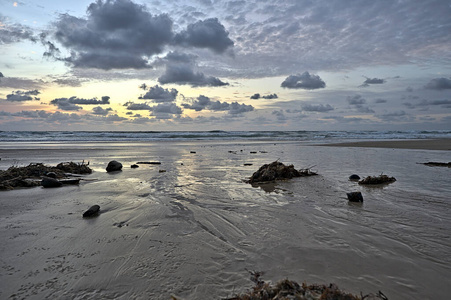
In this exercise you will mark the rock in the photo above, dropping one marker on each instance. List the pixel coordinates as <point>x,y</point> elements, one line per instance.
<point>355,197</point>
<point>49,182</point>
<point>192,152</point>
<point>134,166</point>
<point>114,166</point>
<point>149,163</point>
<point>354,177</point>
<point>381,179</point>
<point>161,171</point>
<point>273,171</point>
<point>247,164</point>
<point>92,211</point>
<point>253,152</point>
<point>51,174</point>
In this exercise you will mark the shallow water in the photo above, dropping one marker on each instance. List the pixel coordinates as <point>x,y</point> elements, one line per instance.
<point>193,230</point>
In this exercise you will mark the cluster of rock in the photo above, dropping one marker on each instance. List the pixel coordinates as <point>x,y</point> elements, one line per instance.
<point>19,177</point>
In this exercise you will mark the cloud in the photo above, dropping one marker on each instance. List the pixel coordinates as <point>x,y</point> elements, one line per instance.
<point>426,103</point>
<point>14,33</point>
<point>317,108</point>
<point>395,116</point>
<point>439,84</point>
<point>184,74</point>
<point>137,106</point>
<point>22,95</point>
<point>101,111</point>
<point>205,103</point>
<point>208,34</point>
<point>358,102</point>
<point>258,96</point>
<point>379,100</point>
<point>304,81</point>
<point>158,94</point>
<point>115,34</point>
<point>71,103</point>
<point>369,81</point>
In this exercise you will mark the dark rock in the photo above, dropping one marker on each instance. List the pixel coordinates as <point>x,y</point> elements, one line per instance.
<point>134,166</point>
<point>354,177</point>
<point>51,174</point>
<point>248,164</point>
<point>355,197</point>
<point>253,152</point>
<point>193,152</point>
<point>149,163</point>
<point>114,166</point>
<point>92,211</point>
<point>49,182</point>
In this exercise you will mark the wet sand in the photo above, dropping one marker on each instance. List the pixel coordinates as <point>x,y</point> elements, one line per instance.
<point>193,230</point>
<point>427,144</point>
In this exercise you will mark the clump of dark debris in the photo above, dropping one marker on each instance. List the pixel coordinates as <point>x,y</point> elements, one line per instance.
<point>381,179</point>
<point>287,289</point>
<point>18,177</point>
<point>277,170</point>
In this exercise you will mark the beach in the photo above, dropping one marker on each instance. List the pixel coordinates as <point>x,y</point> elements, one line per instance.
<point>191,226</point>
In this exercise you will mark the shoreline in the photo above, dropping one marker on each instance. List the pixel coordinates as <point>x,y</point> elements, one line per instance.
<point>421,144</point>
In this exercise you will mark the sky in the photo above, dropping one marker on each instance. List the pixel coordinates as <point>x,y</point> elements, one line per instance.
<point>202,65</point>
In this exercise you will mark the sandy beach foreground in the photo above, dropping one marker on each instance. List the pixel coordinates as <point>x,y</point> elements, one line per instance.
<point>191,226</point>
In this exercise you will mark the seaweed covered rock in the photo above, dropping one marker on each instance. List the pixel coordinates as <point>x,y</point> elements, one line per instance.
<point>381,179</point>
<point>277,170</point>
<point>288,289</point>
<point>49,182</point>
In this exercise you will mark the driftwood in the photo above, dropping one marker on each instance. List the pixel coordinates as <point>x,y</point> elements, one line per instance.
<point>277,170</point>
<point>148,163</point>
<point>288,289</point>
<point>381,179</point>
<point>438,164</point>
<point>17,177</point>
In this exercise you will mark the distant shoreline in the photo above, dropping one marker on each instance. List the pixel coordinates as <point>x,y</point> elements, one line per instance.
<point>423,144</point>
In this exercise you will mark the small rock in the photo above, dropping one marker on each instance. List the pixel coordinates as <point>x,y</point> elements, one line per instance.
<point>92,211</point>
<point>253,152</point>
<point>114,166</point>
<point>49,182</point>
<point>161,171</point>
<point>354,177</point>
<point>247,164</point>
<point>355,197</point>
<point>134,166</point>
<point>193,152</point>
<point>51,174</point>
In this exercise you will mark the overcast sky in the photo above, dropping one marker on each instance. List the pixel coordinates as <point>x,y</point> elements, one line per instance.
<point>228,65</point>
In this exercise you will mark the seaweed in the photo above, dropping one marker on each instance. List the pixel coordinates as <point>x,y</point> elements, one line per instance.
<point>437,164</point>
<point>17,177</point>
<point>277,170</point>
<point>381,179</point>
<point>288,289</point>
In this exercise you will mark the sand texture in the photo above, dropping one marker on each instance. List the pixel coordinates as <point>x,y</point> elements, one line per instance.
<point>193,230</point>
<point>436,144</point>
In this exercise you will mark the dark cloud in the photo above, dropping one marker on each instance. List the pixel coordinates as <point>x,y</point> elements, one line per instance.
<point>184,74</point>
<point>379,100</point>
<point>439,84</point>
<point>356,100</point>
<point>98,110</point>
<point>342,119</point>
<point>137,106</point>
<point>74,82</point>
<point>22,95</point>
<point>280,116</point>
<point>317,108</point>
<point>158,94</point>
<point>258,96</point>
<point>206,34</point>
<point>116,34</point>
<point>369,81</point>
<point>426,103</point>
<point>71,103</point>
<point>303,81</point>
<point>205,103</point>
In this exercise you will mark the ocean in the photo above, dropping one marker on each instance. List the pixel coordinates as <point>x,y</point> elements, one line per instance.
<point>148,136</point>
